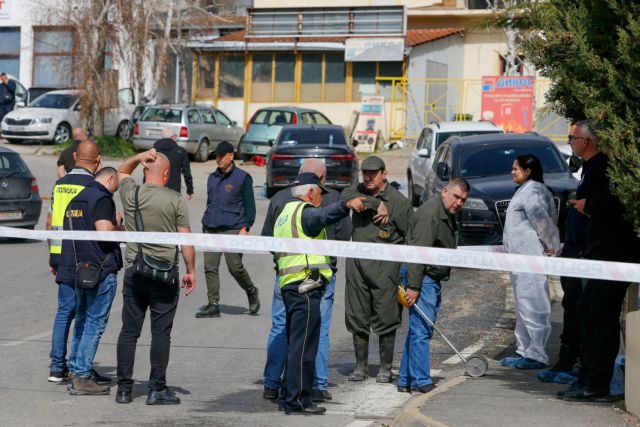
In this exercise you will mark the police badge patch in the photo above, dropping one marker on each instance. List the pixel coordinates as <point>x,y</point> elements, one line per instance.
<point>228,188</point>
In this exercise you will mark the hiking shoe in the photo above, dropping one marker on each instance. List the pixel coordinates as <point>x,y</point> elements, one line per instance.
<point>510,361</point>
<point>270,393</point>
<point>100,379</point>
<point>527,363</point>
<point>81,385</point>
<point>424,388</point>
<point>404,389</point>
<point>162,397</point>
<point>254,301</point>
<point>210,310</point>
<point>57,377</point>
<point>320,396</point>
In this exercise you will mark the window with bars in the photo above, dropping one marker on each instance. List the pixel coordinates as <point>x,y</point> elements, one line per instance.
<point>53,49</point>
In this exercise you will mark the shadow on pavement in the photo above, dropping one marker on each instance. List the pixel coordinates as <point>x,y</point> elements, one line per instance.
<point>246,401</point>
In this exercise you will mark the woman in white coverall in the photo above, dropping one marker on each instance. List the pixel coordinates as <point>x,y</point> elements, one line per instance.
<point>530,229</point>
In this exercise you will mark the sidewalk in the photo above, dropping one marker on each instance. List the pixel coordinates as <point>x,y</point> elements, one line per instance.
<point>508,396</point>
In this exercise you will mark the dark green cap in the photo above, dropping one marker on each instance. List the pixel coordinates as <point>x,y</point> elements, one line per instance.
<point>372,163</point>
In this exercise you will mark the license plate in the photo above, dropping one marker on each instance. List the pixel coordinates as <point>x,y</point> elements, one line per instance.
<point>305,158</point>
<point>4,216</point>
<point>16,128</point>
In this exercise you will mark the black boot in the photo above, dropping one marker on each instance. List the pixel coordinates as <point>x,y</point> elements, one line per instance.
<point>210,310</point>
<point>254,301</point>
<point>361,345</point>
<point>387,348</point>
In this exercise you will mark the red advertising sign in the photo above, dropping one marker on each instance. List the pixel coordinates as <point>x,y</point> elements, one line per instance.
<point>507,101</point>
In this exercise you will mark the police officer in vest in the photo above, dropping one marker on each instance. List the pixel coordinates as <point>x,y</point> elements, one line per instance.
<point>92,209</point>
<point>87,161</point>
<point>302,280</point>
<point>231,209</point>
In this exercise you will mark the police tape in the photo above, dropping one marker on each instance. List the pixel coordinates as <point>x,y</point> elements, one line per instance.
<point>475,258</point>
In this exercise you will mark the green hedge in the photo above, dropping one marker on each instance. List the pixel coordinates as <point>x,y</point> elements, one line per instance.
<point>110,146</point>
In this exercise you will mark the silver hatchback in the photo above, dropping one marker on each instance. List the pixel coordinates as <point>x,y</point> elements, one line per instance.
<point>199,129</point>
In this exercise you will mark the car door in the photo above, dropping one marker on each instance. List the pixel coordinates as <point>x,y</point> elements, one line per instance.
<point>197,130</point>
<point>423,164</point>
<point>414,158</point>
<point>227,130</point>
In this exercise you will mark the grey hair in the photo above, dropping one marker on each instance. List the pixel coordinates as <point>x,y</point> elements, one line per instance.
<point>168,133</point>
<point>313,165</point>
<point>302,190</point>
<point>588,128</point>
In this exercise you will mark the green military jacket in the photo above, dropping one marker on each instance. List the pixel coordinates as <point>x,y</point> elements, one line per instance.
<point>435,227</point>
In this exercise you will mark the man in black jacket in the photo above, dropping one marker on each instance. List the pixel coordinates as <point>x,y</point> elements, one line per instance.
<point>7,95</point>
<point>178,159</point>
<point>608,237</point>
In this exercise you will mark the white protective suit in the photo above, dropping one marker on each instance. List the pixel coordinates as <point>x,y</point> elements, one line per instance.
<point>530,227</point>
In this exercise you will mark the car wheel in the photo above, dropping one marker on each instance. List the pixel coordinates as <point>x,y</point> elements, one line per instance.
<point>415,199</point>
<point>124,131</point>
<point>62,134</point>
<point>202,155</point>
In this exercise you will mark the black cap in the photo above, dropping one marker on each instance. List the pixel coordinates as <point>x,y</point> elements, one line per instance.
<point>223,148</point>
<point>309,178</point>
<point>372,163</point>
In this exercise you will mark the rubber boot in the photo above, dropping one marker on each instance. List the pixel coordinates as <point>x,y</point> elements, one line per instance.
<point>387,347</point>
<point>361,346</point>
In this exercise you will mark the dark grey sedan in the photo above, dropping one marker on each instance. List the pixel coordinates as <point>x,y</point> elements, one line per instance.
<point>20,202</point>
<point>294,144</point>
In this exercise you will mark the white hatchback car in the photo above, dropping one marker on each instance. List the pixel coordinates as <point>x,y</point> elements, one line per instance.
<point>431,137</point>
<point>52,116</point>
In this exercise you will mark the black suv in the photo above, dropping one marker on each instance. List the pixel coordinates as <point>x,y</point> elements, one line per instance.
<point>485,161</point>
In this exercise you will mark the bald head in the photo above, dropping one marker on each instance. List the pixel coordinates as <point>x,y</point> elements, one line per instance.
<point>157,172</point>
<point>78,134</point>
<point>315,166</point>
<point>168,133</point>
<point>87,155</point>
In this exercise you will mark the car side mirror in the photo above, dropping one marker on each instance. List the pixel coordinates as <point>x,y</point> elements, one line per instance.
<point>442,171</point>
<point>270,142</point>
<point>77,107</point>
<point>424,152</point>
<point>20,104</point>
<point>234,123</point>
<point>354,142</point>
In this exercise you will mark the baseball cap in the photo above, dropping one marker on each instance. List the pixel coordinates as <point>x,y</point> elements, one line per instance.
<point>223,148</point>
<point>372,163</point>
<point>309,178</point>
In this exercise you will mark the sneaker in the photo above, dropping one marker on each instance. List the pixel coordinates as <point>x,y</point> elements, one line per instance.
<point>162,397</point>
<point>424,388</point>
<point>527,363</point>
<point>210,310</point>
<point>254,301</point>
<point>57,377</point>
<point>510,361</point>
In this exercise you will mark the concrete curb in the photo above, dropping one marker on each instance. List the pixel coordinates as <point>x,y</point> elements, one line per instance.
<point>411,415</point>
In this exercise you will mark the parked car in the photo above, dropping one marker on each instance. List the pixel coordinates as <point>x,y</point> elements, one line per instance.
<point>485,161</point>
<point>430,139</point>
<point>52,116</point>
<point>199,128</point>
<point>35,92</point>
<point>266,123</point>
<point>294,144</point>
<point>20,202</point>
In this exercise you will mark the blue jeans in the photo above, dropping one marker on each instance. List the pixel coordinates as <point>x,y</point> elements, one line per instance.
<point>92,314</point>
<point>415,367</point>
<point>61,325</point>
<point>277,341</point>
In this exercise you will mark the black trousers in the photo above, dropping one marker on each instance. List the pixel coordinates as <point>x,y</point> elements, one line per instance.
<point>572,288</point>
<point>161,301</point>
<point>303,335</point>
<point>599,316</point>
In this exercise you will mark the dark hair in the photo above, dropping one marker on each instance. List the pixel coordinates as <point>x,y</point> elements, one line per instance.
<point>459,182</point>
<point>531,162</point>
<point>106,171</point>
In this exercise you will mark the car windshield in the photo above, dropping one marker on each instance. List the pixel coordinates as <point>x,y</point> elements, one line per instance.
<point>54,100</point>
<point>443,136</point>
<point>482,160</point>
<point>312,136</point>
<point>165,115</point>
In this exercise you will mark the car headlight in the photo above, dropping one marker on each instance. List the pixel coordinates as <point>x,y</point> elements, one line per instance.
<point>477,204</point>
<point>42,120</point>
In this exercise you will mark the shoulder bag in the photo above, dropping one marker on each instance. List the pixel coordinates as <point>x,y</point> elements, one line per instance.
<point>87,274</point>
<point>148,267</point>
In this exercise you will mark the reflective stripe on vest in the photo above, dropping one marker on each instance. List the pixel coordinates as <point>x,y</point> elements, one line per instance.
<point>62,196</point>
<point>296,267</point>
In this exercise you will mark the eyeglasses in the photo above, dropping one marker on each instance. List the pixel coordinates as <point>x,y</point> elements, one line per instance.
<point>573,138</point>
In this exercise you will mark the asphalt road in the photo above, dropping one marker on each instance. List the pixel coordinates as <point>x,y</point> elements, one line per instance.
<point>216,364</point>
